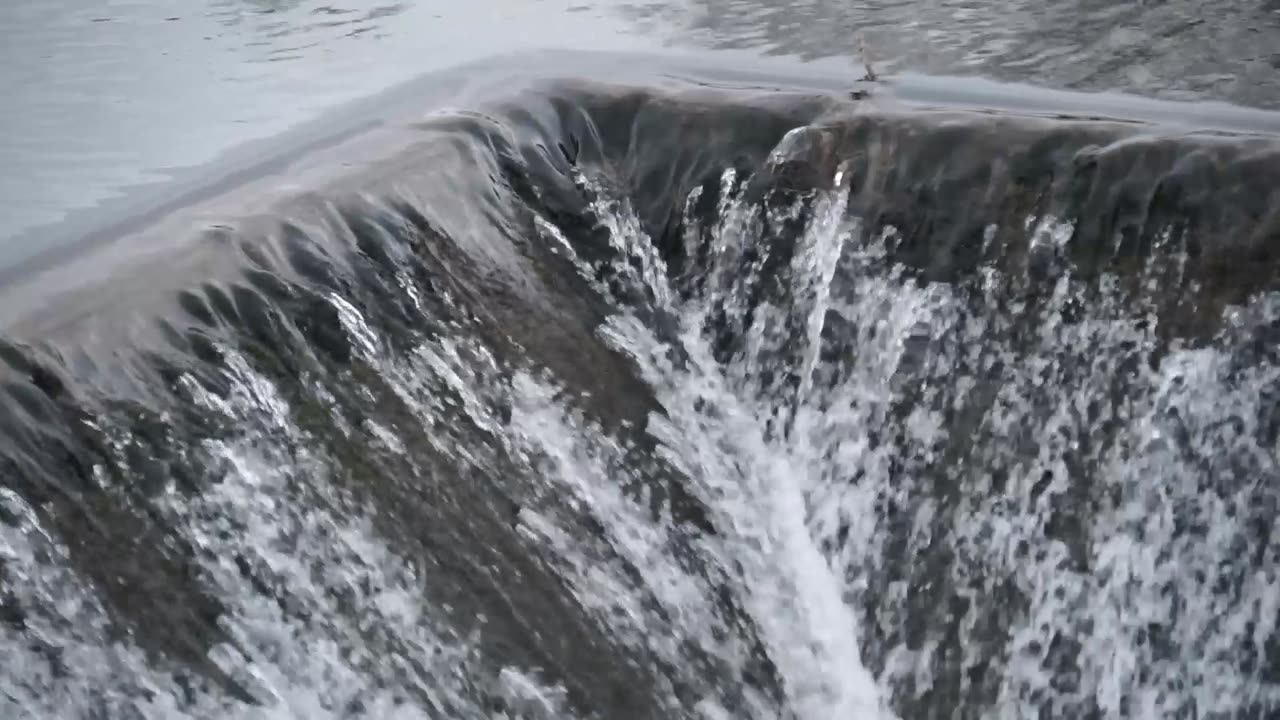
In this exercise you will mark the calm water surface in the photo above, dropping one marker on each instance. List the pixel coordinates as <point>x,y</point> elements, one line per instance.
<point>1176,49</point>
<point>101,97</point>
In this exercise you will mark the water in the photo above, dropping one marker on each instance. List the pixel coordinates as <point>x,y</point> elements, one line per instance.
<point>107,98</point>
<point>1176,49</point>
<point>618,386</point>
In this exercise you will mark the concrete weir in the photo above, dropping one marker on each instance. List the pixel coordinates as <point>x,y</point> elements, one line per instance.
<point>160,233</point>
<point>662,385</point>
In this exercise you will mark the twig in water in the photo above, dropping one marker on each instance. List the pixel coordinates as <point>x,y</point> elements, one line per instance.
<point>866,59</point>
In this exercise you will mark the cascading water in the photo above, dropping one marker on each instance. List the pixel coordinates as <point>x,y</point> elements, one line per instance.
<point>840,415</point>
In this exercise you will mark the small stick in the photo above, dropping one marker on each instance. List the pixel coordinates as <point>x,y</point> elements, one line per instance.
<point>866,59</point>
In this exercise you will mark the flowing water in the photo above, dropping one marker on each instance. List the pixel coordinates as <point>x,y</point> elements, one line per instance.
<point>722,399</point>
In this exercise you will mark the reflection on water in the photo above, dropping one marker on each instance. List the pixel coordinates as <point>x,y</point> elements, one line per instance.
<point>1178,49</point>
<point>102,97</point>
<point>274,22</point>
